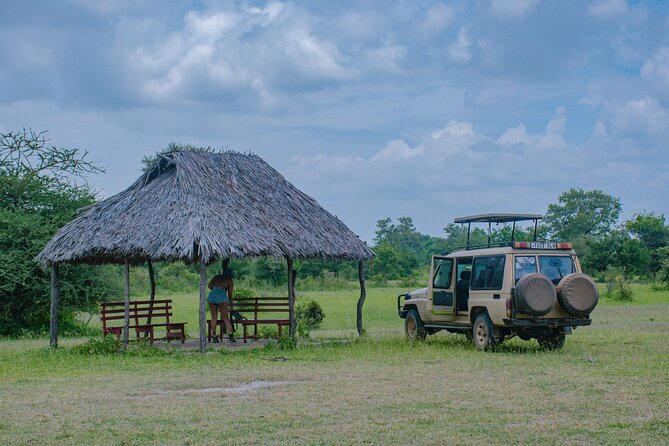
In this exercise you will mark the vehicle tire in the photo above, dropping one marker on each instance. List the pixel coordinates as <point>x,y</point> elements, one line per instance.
<point>577,294</point>
<point>483,334</point>
<point>413,326</point>
<point>534,295</point>
<point>552,342</point>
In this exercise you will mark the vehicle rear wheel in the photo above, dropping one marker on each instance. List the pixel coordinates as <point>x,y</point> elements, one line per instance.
<point>553,341</point>
<point>484,337</point>
<point>413,326</point>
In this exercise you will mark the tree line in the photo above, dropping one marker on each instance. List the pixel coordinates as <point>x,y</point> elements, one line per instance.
<point>42,186</point>
<point>590,220</point>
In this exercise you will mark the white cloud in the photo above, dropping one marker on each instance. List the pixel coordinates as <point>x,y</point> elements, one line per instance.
<point>512,9</point>
<point>397,150</point>
<point>551,139</point>
<point>604,9</point>
<point>438,18</point>
<point>456,137</point>
<point>656,71</point>
<point>460,50</point>
<point>516,135</point>
<point>241,51</point>
<point>643,120</point>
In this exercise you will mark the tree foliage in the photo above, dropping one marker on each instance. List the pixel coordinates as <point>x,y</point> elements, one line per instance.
<point>650,229</point>
<point>39,193</point>
<point>581,213</point>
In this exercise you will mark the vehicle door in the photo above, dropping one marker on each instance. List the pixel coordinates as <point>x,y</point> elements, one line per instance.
<point>463,274</point>
<point>486,285</point>
<point>441,288</point>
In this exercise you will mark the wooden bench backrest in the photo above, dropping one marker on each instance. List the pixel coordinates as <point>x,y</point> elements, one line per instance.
<point>258,305</point>
<point>140,310</point>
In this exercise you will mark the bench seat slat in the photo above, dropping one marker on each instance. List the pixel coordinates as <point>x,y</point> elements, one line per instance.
<point>136,302</point>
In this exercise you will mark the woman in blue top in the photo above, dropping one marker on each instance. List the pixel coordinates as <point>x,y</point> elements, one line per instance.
<point>220,298</point>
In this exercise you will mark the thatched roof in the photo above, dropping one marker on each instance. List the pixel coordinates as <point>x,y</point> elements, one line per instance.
<point>205,203</point>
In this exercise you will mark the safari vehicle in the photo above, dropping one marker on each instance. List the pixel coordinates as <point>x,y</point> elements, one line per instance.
<point>496,291</point>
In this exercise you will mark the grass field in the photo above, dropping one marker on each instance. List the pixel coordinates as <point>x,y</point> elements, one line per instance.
<point>609,385</point>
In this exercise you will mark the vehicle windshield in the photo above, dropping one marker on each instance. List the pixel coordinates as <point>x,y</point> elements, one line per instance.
<point>556,267</point>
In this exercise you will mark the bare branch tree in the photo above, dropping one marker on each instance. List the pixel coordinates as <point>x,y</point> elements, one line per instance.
<point>28,153</point>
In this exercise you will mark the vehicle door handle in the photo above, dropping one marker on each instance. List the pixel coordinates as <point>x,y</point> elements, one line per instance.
<point>495,296</point>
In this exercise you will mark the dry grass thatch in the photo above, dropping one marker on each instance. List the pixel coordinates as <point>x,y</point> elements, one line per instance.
<point>204,203</point>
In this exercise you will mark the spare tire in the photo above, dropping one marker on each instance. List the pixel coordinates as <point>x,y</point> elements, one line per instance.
<point>578,294</point>
<point>534,295</point>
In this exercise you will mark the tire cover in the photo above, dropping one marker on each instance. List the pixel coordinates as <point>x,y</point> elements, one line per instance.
<point>578,294</point>
<point>534,294</point>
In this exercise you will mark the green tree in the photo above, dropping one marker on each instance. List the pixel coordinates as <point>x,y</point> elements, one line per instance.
<point>271,271</point>
<point>401,246</point>
<point>389,262</point>
<point>617,250</point>
<point>581,213</point>
<point>650,229</point>
<point>39,194</point>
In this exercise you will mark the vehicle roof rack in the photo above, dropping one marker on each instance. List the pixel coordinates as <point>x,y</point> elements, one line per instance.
<point>498,218</point>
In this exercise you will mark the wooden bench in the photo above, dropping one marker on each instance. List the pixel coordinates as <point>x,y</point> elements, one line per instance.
<point>256,310</point>
<point>160,311</point>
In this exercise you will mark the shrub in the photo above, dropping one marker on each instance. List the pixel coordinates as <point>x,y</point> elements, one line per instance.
<point>176,277</point>
<point>617,287</point>
<point>662,275</point>
<point>309,317</point>
<point>107,345</point>
<point>243,293</point>
<point>269,331</point>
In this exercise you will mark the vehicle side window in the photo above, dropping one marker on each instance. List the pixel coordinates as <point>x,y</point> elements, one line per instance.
<point>442,278</point>
<point>556,267</point>
<point>488,273</point>
<point>524,265</point>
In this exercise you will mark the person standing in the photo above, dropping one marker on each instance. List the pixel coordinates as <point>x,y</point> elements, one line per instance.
<point>220,299</point>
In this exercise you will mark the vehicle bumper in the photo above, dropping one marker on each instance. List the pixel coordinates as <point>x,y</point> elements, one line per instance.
<point>549,323</point>
<point>400,311</point>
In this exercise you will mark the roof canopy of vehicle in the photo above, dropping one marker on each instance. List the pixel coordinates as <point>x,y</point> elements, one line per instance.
<point>497,218</point>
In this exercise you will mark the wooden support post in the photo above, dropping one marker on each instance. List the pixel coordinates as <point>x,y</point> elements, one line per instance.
<point>126,318</point>
<point>363,295</point>
<point>55,302</point>
<point>203,306</point>
<point>291,297</point>
<point>152,297</point>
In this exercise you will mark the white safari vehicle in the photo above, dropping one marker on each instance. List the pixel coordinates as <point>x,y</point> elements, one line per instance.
<point>496,291</point>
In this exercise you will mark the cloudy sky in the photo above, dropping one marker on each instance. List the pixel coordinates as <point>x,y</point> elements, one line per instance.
<point>377,109</point>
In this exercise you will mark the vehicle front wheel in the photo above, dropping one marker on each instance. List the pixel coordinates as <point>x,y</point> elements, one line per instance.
<point>484,337</point>
<point>413,326</point>
<point>552,342</point>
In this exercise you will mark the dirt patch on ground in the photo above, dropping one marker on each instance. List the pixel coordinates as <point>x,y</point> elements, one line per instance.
<point>240,389</point>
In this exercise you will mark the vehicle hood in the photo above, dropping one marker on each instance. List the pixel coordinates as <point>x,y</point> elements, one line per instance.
<point>418,293</point>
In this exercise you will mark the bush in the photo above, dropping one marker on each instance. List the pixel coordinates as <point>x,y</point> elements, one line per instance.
<point>662,275</point>
<point>269,331</point>
<point>617,287</point>
<point>243,293</point>
<point>176,277</point>
<point>309,316</point>
<point>107,345</point>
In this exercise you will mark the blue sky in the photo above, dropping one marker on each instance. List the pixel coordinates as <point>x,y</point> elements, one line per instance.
<point>377,109</point>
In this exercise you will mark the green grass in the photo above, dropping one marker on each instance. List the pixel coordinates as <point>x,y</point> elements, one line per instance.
<point>609,385</point>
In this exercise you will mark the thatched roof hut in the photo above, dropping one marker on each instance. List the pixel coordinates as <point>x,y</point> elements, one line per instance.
<point>199,206</point>
<point>195,206</point>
